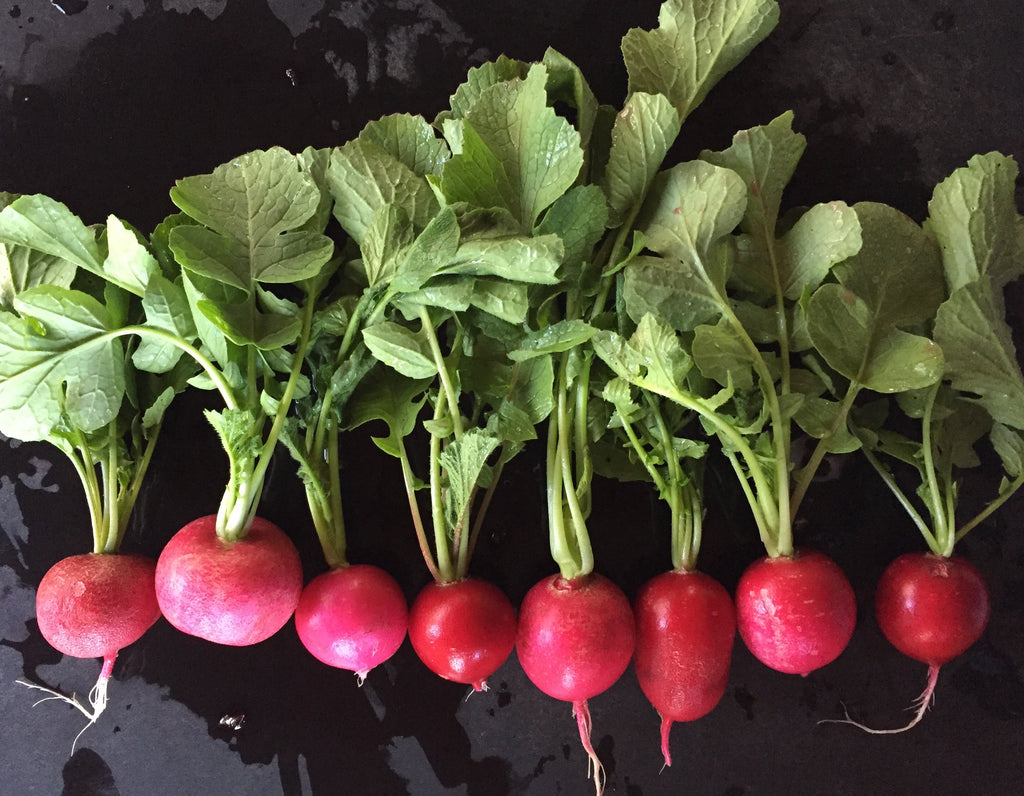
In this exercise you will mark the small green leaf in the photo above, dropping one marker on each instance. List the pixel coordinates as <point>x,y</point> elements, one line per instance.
<point>822,418</point>
<point>166,307</point>
<point>521,259</point>
<point>559,336</point>
<point>479,79</point>
<point>128,262</point>
<point>823,236</point>
<point>720,354</point>
<point>22,268</point>
<point>675,291</point>
<point>411,140</point>
<point>695,44</point>
<point>388,396</point>
<point>401,349</point>
<point>1009,445</point>
<point>578,217</point>
<point>463,462</point>
<point>44,224</point>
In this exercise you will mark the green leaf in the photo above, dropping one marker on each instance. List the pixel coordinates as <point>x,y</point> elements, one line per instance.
<point>822,418</point>
<point>44,224</point>
<point>980,356</point>
<point>364,177</point>
<point>401,349</point>
<point>1009,445</point>
<point>567,84</point>
<point>674,291</point>
<point>411,140</point>
<point>250,209</point>
<point>578,217</point>
<point>57,361</point>
<point>973,215</point>
<point>848,334</point>
<point>463,461</point>
<point>388,235</point>
<point>652,358</point>
<point>432,249</point>
<point>166,307</point>
<point>765,157</point>
<point>823,236</point>
<point>692,206</point>
<point>479,79</point>
<point>520,259</point>
<point>559,336</point>
<point>642,134</point>
<point>514,152</point>
<point>391,397</point>
<point>720,354</point>
<point>506,300</point>
<point>128,262</point>
<point>22,268</point>
<point>695,44</point>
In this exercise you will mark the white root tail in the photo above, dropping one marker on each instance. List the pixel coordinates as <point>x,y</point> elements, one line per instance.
<point>920,705</point>
<point>97,696</point>
<point>594,767</point>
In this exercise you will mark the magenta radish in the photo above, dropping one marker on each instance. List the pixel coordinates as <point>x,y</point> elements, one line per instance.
<point>463,630</point>
<point>795,613</point>
<point>352,617</point>
<point>685,627</point>
<point>234,593</point>
<point>575,640</point>
<point>931,608</point>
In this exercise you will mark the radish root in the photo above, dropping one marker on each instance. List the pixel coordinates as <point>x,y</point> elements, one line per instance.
<point>920,705</point>
<point>594,767</point>
<point>97,696</point>
<point>666,752</point>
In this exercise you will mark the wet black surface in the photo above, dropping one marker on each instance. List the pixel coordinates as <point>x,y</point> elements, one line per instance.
<point>103,108</point>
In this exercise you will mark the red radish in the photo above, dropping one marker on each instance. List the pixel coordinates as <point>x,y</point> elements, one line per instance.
<point>352,617</point>
<point>685,627</point>
<point>236,593</point>
<point>795,613</point>
<point>463,630</point>
<point>931,608</point>
<point>92,606</point>
<point>575,639</point>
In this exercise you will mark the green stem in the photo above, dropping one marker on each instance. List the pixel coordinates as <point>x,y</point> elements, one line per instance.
<point>442,369</point>
<point>904,501</point>
<point>481,512</point>
<point>109,468</point>
<point>943,531</point>
<point>818,454</point>
<point>414,511</point>
<point>81,460</point>
<point>984,514</point>
<point>440,522</point>
<point>128,499</point>
<point>763,528</point>
<point>569,494</point>
<point>558,538</point>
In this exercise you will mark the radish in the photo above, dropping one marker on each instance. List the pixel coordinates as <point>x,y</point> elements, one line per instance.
<point>931,608</point>
<point>685,627</point>
<point>575,640</point>
<point>235,593</point>
<point>352,617</point>
<point>795,613</point>
<point>463,630</point>
<point>92,606</point>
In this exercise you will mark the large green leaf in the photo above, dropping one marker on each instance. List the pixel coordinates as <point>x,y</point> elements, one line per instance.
<point>400,348</point>
<point>58,364</point>
<point>695,44</point>
<point>44,224</point>
<point>511,150</point>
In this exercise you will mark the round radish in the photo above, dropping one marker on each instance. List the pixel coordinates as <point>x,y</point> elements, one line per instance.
<point>236,594</point>
<point>685,627</point>
<point>92,605</point>
<point>795,613</point>
<point>462,630</point>
<point>352,617</point>
<point>931,608</point>
<point>575,639</point>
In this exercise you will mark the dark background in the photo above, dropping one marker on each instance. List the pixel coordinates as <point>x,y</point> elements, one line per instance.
<point>103,105</point>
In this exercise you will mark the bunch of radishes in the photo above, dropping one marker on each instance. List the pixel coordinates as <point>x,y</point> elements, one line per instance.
<point>470,280</point>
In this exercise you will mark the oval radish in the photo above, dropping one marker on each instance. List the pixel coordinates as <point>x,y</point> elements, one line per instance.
<point>463,630</point>
<point>92,605</point>
<point>237,594</point>
<point>931,608</point>
<point>575,639</point>
<point>352,617</point>
<point>795,613</point>
<point>685,628</point>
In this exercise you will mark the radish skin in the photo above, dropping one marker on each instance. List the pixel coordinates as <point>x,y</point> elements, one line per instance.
<point>352,617</point>
<point>685,629</point>
<point>575,639</point>
<point>237,593</point>
<point>795,613</point>
<point>463,630</point>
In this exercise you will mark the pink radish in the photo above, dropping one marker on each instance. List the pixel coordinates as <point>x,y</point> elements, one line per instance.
<point>575,639</point>
<point>235,593</point>
<point>795,613</point>
<point>352,617</point>
<point>92,606</point>
<point>685,627</point>
<point>931,608</point>
<point>463,630</point>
